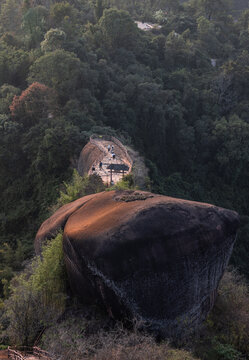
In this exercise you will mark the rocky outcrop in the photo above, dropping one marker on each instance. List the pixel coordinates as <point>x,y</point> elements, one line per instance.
<point>89,155</point>
<point>57,221</point>
<point>147,256</point>
<point>140,172</point>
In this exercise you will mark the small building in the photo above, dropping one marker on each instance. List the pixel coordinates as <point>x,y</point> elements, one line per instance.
<point>147,26</point>
<point>118,167</point>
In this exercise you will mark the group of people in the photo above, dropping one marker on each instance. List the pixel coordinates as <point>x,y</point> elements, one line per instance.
<point>110,150</point>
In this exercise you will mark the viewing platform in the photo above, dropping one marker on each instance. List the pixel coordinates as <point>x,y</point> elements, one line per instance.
<point>105,156</point>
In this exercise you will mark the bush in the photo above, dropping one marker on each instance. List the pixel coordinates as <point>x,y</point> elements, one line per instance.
<point>224,352</point>
<point>37,296</point>
<point>212,349</point>
<point>225,336</point>
<point>49,275</point>
<point>127,183</point>
<point>79,186</point>
<point>86,335</point>
<point>230,316</point>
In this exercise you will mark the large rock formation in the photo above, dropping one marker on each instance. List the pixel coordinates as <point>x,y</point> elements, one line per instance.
<point>147,256</point>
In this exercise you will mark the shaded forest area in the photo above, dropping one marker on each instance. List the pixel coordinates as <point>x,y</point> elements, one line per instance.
<point>179,95</point>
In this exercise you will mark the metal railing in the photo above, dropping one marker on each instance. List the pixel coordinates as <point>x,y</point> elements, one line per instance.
<point>15,355</point>
<point>41,353</point>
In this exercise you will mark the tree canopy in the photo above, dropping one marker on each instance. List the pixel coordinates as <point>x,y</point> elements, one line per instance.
<point>178,93</point>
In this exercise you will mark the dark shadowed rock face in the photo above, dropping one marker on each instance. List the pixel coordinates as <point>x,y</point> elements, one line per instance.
<point>149,256</point>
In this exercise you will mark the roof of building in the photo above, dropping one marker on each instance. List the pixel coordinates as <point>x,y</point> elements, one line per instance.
<point>147,26</point>
<point>118,167</point>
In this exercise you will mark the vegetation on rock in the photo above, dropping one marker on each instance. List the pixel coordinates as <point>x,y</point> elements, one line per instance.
<point>37,296</point>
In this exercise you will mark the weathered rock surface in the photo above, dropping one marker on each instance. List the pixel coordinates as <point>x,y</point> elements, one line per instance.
<point>57,221</point>
<point>89,155</point>
<point>147,256</point>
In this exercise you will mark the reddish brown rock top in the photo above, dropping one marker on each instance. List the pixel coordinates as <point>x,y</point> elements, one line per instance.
<point>109,210</point>
<point>57,221</point>
<point>115,203</point>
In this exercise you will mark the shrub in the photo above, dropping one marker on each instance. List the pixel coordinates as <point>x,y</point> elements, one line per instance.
<point>53,40</point>
<point>224,352</point>
<point>37,296</point>
<point>230,316</point>
<point>24,311</point>
<point>79,186</point>
<point>86,335</point>
<point>127,183</point>
<point>225,336</point>
<point>49,275</point>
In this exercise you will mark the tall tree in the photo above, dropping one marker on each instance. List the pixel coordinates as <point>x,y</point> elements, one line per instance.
<point>10,16</point>
<point>118,29</point>
<point>35,24</point>
<point>99,9</point>
<point>34,103</point>
<point>60,70</point>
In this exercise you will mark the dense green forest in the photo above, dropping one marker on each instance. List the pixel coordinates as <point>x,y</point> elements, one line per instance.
<point>179,95</point>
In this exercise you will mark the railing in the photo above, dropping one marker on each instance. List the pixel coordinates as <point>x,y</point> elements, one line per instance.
<point>94,140</point>
<point>22,351</point>
<point>41,353</point>
<point>14,354</point>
